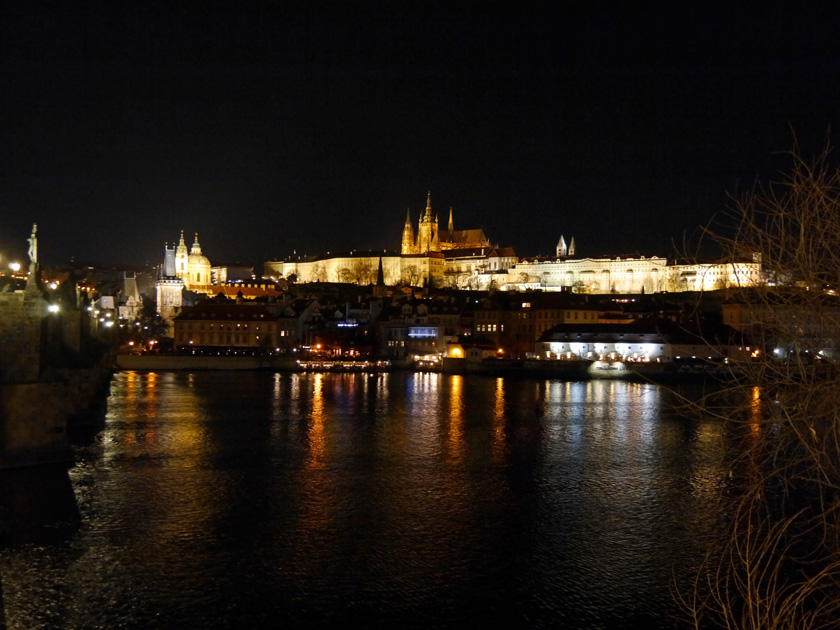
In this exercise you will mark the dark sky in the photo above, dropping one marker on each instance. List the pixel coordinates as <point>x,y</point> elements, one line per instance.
<point>313,126</point>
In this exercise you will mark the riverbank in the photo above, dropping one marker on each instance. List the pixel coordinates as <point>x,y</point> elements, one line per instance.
<point>571,370</point>
<point>157,362</point>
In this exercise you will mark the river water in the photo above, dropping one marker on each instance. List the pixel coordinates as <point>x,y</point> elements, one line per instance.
<point>252,499</point>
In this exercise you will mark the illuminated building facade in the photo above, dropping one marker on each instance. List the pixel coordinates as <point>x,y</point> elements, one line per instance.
<point>169,289</point>
<point>640,341</point>
<point>622,275</point>
<point>209,327</point>
<point>192,266</point>
<point>360,268</point>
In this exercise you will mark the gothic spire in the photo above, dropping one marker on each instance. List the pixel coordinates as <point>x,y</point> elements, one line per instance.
<point>451,224</point>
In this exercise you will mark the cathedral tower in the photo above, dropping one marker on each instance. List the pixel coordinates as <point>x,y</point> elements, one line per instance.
<point>427,233</point>
<point>409,246</point>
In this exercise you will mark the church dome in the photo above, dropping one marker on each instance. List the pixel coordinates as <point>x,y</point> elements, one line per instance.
<point>198,267</point>
<point>198,260</point>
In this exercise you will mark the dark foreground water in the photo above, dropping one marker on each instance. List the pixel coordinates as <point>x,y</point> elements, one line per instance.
<point>242,500</point>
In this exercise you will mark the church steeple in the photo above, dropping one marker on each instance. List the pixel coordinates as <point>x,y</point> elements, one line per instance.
<point>181,254</point>
<point>451,224</point>
<point>429,205</point>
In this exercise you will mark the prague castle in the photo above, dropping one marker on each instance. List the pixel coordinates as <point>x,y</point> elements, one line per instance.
<point>466,259</point>
<point>429,257</point>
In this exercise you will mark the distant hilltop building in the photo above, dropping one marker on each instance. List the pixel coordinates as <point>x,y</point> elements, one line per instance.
<point>465,259</point>
<point>428,257</point>
<point>623,274</point>
<point>562,250</point>
<point>430,239</point>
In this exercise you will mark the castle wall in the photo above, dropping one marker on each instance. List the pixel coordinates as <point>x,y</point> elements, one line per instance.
<point>623,275</point>
<point>361,270</point>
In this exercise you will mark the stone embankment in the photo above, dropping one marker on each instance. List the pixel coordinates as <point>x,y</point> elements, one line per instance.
<point>157,362</point>
<point>53,376</point>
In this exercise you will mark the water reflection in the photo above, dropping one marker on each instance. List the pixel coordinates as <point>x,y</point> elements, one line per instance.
<point>37,505</point>
<point>317,418</point>
<point>456,446</point>
<point>242,499</point>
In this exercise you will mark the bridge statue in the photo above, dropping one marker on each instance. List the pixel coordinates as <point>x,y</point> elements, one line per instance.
<point>33,245</point>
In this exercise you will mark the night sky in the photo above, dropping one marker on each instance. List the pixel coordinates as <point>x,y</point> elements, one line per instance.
<point>270,128</point>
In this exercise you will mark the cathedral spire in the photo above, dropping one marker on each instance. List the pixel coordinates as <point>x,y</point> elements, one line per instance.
<point>451,224</point>
<point>408,242</point>
<point>429,205</point>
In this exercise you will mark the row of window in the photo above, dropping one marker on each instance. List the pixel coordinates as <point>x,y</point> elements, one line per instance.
<point>227,315</point>
<point>188,326</point>
<point>217,338</point>
<point>554,315</point>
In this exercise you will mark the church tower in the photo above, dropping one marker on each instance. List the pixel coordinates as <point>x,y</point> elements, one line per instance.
<point>451,224</point>
<point>170,287</point>
<point>409,246</point>
<point>181,256</point>
<point>562,250</point>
